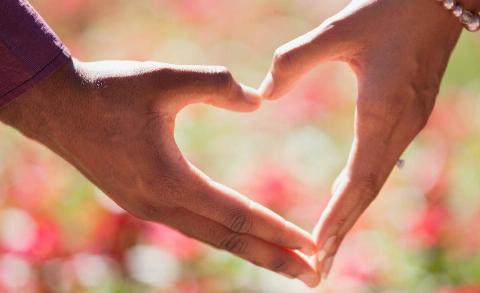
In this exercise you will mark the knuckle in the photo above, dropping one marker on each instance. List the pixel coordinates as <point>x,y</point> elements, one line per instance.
<point>224,81</point>
<point>330,30</point>
<point>223,76</point>
<point>162,76</point>
<point>235,243</point>
<point>282,60</point>
<point>278,264</point>
<point>162,72</point>
<point>239,222</point>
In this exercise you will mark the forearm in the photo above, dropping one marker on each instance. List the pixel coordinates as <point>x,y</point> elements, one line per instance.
<point>31,112</point>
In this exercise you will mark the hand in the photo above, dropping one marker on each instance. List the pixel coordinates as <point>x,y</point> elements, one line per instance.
<point>399,50</point>
<point>114,121</point>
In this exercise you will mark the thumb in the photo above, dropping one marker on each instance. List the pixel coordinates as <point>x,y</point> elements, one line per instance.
<point>213,85</point>
<point>294,59</point>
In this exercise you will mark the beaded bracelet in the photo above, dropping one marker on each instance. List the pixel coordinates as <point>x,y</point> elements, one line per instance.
<point>470,20</point>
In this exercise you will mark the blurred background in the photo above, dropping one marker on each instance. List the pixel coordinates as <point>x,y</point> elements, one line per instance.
<point>58,233</point>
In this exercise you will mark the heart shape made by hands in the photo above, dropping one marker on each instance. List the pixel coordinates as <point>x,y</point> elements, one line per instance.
<point>397,89</point>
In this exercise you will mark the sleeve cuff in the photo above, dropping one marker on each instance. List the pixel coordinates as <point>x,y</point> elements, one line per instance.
<point>45,72</point>
<point>29,49</point>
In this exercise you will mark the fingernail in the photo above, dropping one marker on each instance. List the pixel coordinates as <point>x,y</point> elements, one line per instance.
<point>321,255</point>
<point>326,248</point>
<point>266,89</point>
<point>309,278</point>
<point>326,267</point>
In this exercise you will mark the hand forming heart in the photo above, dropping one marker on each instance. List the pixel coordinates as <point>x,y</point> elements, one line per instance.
<point>399,50</point>
<point>114,121</point>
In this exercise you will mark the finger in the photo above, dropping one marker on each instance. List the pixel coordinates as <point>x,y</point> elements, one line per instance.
<point>213,85</point>
<point>252,249</point>
<point>242,215</point>
<point>225,206</point>
<point>378,144</point>
<point>294,59</point>
<point>351,198</point>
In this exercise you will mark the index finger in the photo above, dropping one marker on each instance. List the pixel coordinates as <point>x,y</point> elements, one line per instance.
<point>297,57</point>
<point>257,251</point>
<point>379,142</point>
<point>242,215</point>
<point>354,191</point>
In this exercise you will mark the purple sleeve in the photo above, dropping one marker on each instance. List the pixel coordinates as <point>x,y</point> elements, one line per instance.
<point>29,50</point>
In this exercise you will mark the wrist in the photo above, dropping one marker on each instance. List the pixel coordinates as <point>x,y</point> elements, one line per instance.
<point>34,112</point>
<point>438,22</point>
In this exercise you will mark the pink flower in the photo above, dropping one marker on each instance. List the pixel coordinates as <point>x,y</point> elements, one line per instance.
<point>40,237</point>
<point>433,175</point>
<point>430,224</point>
<point>47,242</point>
<point>360,270</point>
<point>273,188</point>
